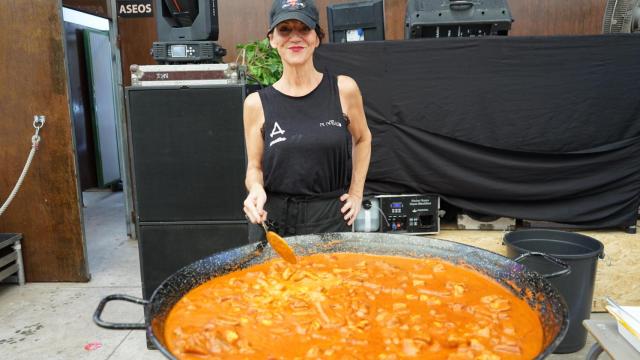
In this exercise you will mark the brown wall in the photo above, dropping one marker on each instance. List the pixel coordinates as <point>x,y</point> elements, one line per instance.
<point>135,38</point>
<point>540,17</point>
<point>95,7</point>
<point>253,24</point>
<point>552,17</point>
<point>246,20</point>
<point>34,81</point>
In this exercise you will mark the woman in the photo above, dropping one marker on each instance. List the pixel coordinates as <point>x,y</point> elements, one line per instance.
<point>308,143</point>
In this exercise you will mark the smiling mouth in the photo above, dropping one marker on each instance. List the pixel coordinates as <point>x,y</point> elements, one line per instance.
<point>296,48</point>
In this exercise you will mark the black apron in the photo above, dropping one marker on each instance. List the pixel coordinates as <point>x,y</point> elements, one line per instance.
<point>295,215</point>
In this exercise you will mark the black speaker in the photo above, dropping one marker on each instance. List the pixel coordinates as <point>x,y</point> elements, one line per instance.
<point>165,249</point>
<point>187,152</point>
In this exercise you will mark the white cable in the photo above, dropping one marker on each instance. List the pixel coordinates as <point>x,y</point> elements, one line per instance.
<point>382,213</point>
<point>38,122</point>
<point>20,180</point>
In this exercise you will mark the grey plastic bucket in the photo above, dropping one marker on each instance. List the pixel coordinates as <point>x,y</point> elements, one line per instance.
<point>581,253</point>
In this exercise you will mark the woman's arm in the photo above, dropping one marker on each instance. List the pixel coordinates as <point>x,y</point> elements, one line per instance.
<point>351,101</point>
<point>253,118</point>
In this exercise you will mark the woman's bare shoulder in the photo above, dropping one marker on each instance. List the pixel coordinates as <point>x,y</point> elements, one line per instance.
<point>252,102</point>
<point>347,85</point>
<point>253,113</point>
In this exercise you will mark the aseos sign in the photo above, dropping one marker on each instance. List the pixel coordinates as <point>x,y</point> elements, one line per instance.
<point>134,8</point>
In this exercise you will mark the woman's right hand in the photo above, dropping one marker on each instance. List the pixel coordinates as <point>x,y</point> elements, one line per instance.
<point>254,205</point>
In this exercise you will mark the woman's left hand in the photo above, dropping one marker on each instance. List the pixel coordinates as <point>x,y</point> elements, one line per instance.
<point>351,207</point>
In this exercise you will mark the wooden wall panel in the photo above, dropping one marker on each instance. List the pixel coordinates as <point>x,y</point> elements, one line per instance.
<point>247,20</point>
<point>237,25</point>
<point>394,11</point>
<point>94,7</point>
<point>552,17</point>
<point>34,78</point>
<point>543,17</point>
<point>135,39</point>
<point>242,21</point>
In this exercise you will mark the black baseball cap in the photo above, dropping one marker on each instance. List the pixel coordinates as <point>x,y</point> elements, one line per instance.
<point>302,10</point>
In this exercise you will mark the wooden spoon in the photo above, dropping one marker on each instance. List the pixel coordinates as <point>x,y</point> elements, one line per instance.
<point>280,246</point>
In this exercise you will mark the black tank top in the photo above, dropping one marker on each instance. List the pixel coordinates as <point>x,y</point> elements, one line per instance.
<point>307,146</point>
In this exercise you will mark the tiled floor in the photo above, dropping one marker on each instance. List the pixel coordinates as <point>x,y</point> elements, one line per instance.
<point>54,320</point>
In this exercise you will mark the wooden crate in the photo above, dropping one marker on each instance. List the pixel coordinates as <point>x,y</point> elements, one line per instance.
<point>11,257</point>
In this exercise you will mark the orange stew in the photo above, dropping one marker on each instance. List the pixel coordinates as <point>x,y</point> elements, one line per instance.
<point>353,306</point>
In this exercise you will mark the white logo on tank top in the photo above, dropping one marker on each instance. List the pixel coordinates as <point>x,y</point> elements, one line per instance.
<point>330,123</point>
<point>277,130</point>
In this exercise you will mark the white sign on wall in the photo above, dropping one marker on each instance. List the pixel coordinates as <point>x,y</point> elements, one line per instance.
<point>134,8</point>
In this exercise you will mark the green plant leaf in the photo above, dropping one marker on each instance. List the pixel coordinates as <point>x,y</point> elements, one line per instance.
<point>263,62</point>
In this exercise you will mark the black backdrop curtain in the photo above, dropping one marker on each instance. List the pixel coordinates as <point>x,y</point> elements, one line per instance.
<point>536,128</point>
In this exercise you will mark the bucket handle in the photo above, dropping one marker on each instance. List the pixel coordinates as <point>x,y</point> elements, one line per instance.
<point>553,259</point>
<point>118,326</point>
<point>460,5</point>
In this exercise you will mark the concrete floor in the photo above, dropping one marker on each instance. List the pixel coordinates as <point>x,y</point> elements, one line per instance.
<point>53,321</point>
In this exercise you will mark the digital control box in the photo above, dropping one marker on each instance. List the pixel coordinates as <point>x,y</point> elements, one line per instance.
<point>415,214</point>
